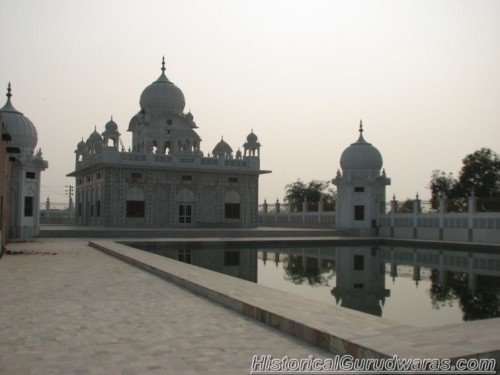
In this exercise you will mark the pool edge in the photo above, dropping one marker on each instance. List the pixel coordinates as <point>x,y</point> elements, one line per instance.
<point>359,346</point>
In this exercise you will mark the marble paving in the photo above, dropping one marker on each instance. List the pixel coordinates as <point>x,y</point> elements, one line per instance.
<point>67,308</point>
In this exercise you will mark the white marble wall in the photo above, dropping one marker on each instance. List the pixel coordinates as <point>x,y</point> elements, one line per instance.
<point>162,192</point>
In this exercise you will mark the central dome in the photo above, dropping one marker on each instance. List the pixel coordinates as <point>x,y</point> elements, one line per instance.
<point>163,94</point>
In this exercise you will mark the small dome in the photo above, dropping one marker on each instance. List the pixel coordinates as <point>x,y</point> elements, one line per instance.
<point>95,137</point>
<point>19,127</point>
<point>163,94</point>
<point>111,126</point>
<point>361,155</point>
<point>252,138</point>
<point>222,149</point>
<point>134,122</point>
<point>81,145</point>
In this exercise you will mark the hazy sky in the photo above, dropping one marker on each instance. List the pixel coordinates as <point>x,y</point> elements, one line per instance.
<point>423,75</point>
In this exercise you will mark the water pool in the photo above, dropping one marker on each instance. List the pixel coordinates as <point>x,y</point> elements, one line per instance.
<point>416,286</point>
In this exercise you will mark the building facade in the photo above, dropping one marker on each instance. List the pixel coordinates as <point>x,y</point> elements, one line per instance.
<point>25,172</point>
<point>4,185</point>
<point>360,188</point>
<point>164,179</point>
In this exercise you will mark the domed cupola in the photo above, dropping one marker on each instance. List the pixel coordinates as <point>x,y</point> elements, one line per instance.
<point>111,126</point>
<point>252,145</point>
<point>19,127</point>
<point>222,150</point>
<point>81,146</point>
<point>361,155</point>
<point>163,94</point>
<point>94,143</point>
<point>252,138</point>
<point>111,133</point>
<point>95,137</point>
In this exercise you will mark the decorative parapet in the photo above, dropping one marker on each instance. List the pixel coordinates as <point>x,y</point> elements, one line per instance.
<point>114,157</point>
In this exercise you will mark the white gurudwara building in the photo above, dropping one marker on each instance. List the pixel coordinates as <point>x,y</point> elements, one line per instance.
<point>360,187</point>
<point>26,168</point>
<point>165,180</point>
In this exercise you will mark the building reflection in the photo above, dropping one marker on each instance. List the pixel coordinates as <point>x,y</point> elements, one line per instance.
<point>241,263</point>
<point>360,280</point>
<point>357,277</point>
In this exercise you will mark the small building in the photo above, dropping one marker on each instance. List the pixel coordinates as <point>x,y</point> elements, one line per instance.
<point>360,188</point>
<point>25,174</point>
<point>164,179</point>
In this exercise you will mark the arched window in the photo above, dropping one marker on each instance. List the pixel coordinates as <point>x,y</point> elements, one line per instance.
<point>167,148</point>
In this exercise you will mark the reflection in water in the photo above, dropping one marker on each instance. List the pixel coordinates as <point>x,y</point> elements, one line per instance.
<point>414,286</point>
<point>478,299</point>
<point>360,280</point>
<point>299,269</point>
<point>237,263</point>
<point>470,281</point>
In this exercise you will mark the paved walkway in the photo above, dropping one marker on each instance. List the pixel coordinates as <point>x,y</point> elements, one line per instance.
<point>66,308</point>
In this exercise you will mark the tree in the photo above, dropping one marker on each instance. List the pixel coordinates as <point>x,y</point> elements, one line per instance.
<point>406,206</point>
<point>480,174</point>
<point>441,184</point>
<point>297,191</point>
<point>297,272</point>
<point>481,303</point>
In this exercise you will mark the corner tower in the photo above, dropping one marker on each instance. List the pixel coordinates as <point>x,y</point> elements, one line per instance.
<point>360,187</point>
<point>27,167</point>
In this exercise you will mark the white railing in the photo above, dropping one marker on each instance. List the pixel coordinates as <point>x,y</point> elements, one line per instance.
<point>297,219</point>
<point>281,215</point>
<point>469,226</point>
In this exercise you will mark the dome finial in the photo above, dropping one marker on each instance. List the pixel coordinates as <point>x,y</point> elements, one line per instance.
<point>163,65</point>
<point>9,95</point>
<point>361,127</point>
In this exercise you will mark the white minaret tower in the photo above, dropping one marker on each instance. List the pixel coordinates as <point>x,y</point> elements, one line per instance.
<point>360,188</point>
